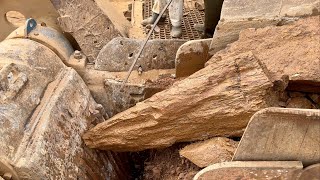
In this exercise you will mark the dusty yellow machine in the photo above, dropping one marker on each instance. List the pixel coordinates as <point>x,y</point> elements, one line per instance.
<point>61,70</point>
<point>45,107</point>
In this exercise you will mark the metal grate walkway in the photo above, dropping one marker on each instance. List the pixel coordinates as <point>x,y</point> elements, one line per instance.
<point>191,16</point>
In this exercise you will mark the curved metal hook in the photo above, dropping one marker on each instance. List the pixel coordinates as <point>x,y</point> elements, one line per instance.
<point>30,25</point>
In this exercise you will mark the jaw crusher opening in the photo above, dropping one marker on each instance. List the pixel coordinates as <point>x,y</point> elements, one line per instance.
<point>45,108</point>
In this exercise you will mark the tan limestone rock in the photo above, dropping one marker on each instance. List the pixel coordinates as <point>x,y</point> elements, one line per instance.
<point>216,101</point>
<point>282,51</point>
<point>219,99</point>
<point>191,57</point>
<point>239,15</point>
<point>215,150</point>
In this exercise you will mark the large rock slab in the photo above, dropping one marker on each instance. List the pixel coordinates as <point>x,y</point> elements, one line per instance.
<point>243,170</point>
<point>205,153</point>
<point>217,100</point>
<point>220,99</point>
<point>119,54</point>
<point>239,15</point>
<point>282,51</point>
<point>277,134</point>
<point>91,23</point>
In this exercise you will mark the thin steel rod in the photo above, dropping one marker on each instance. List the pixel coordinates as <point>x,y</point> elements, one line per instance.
<point>145,42</point>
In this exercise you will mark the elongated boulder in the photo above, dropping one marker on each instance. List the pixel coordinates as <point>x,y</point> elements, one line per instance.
<point>217,100</point>
<point>220,99</point>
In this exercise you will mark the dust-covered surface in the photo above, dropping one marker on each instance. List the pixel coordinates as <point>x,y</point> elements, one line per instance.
<point>119,54</point>
<point>88,24</point>
<point>45,108</point>
<point>204,105</point>
<point>41,10</point>
<point>291,50</point>
<point>270,128</point>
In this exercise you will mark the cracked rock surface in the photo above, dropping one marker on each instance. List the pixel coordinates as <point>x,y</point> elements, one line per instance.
<point>219,99</point>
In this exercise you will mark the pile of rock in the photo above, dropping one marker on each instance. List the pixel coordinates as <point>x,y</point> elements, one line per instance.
<point>266,67</point>
<point>251,74</point>
<point>245,90</point>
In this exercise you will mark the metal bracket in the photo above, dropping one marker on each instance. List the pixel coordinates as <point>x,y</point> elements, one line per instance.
<point>47,36</point>
<point>30,25</point>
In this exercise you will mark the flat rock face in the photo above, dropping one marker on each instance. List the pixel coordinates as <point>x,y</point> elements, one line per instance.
<point>243,170</point>
<point>44,109</point>
<point>191,57</point>
<point>90,23</point>
<point>236,10</point>
<point>239,15</point>
<point>217,100</point>
<point>210,151</point>
<point>119,54</point>
<point>278,134</point>
<point>282,51</point>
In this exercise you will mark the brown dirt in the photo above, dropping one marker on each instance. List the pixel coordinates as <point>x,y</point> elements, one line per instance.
<point>167,164</point>
<point>164,81</point>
